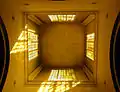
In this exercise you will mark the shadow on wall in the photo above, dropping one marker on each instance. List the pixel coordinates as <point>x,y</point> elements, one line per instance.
<point>62,44</point>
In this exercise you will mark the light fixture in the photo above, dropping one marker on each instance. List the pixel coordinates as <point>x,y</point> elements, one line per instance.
<point>61,18</point>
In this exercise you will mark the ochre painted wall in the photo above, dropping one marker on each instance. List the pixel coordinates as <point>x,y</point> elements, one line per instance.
<point>62,44</point>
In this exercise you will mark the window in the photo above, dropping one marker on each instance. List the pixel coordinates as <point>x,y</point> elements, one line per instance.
<point>32,44</point>
<point>90,40</point>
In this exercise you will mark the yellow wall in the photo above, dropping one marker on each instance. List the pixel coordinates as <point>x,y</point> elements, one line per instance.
<point>14,28</point>
<point>62,44</point>
<point>105,25</point>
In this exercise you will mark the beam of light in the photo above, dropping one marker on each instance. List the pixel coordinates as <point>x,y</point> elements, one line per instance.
<point>60,77</point>
<point>90,45</point>
<point>61,18</point>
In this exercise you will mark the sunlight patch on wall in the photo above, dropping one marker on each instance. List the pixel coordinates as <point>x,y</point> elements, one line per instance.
<point>21,44</point>
<point>32,44</point>
<point>33,54</point>
<point>90,40</point>
<point>27,41</point>
<point>59,86</point>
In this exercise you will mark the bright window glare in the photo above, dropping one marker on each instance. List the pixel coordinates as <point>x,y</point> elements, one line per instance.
<point>61,18</point>
<point>59,76</point>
